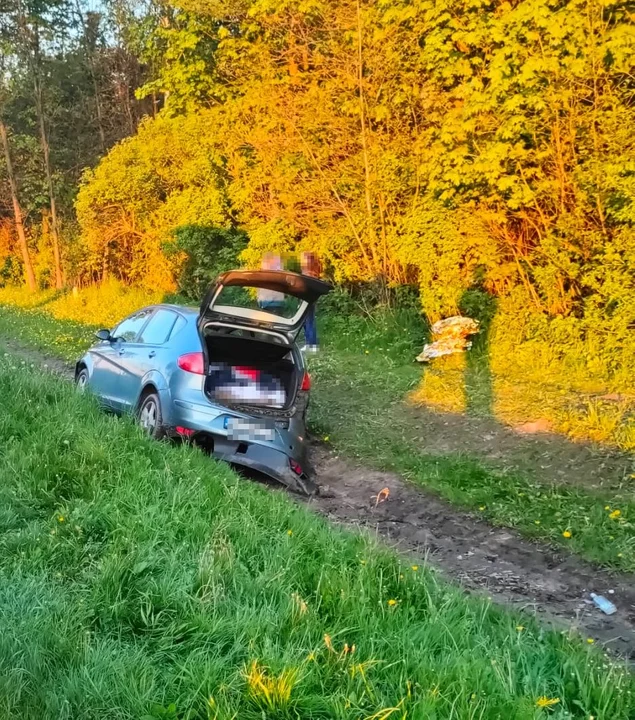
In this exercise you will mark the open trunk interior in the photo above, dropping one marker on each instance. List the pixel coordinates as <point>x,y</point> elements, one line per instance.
<point>245,351</point>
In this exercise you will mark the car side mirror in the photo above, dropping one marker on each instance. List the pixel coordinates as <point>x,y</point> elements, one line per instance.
<point>104,335</point>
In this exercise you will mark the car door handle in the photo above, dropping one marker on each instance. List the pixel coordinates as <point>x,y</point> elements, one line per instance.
<point>152,353</point>
<point>122,351</point>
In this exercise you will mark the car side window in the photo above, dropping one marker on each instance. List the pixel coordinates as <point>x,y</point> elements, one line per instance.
<point>129,328</point>
<point>180,323</point>
<point>157,331</point>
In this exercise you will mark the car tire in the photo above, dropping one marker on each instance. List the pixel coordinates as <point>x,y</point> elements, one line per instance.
<point>150,417</point>
<point>81,381</point>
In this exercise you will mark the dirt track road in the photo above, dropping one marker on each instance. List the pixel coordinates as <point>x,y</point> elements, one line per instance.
<point>496,561</point>
<point>534,578</point>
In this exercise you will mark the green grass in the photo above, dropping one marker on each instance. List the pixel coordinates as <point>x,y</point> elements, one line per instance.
<point>361,377</point>
<point>65,339</point>
<point>141,579</point>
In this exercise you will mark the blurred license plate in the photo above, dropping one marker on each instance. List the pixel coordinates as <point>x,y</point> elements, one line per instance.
<point>248,430</point>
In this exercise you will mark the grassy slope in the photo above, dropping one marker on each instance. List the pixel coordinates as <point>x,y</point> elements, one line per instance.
<point>141,578</point>
<point>361,377</point>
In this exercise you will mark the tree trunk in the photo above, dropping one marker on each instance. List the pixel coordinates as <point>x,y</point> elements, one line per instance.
<point>131,118</point>
<point>364,142</point>
<point>59,279</point>
<point>32,41</point>
<point>17,212</point>
<point>100,115</point>
<point>90,64</point>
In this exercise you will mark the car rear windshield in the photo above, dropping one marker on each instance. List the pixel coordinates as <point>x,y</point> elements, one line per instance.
<point>236,300</point>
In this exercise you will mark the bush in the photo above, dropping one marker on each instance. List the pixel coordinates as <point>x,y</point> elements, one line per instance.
<point>208,251</point>
<point>168,175</point>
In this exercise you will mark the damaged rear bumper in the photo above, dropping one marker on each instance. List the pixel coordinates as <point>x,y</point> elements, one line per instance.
<point>269,461</point>
<point>283,458</point>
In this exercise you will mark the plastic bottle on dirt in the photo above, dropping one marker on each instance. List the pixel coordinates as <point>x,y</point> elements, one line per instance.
<point>606,606</point>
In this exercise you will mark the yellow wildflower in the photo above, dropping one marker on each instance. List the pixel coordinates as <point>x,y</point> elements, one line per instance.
<point>299,603</point>
<point>326,438</point>
<point>481,508</point>
<point>392,603</point>
<point>566,534</point>
<point>414,568</point>
<point>60,518</point>
<point>590,641</point>
<point>607,507</point>
<point>544,702</point>
<point>272,691</point>
<point>289,533</point>
<point>615,514</point>
<point>520,628</point>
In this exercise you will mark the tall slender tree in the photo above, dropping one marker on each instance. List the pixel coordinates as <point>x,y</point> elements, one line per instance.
<point>17,210</point>
<point>29,23</point>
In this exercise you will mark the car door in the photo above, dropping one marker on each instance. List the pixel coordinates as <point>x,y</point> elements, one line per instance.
<point>106,376</point>
<point>153,355</point>
<point>104,371</point>
<point>128,359</point>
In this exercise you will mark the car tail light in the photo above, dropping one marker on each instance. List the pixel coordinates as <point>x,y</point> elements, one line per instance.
<point>192,363</point>
<point>296,467</point>
<point>306,382</point>
<point>184,432</point>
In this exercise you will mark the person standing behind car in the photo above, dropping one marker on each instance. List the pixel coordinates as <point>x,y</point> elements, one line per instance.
<point>270,299</point>
<point>311,267</point>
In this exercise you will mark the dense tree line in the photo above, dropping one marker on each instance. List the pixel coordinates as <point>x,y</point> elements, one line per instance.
<point>68,76</point>
<point>445,145</point>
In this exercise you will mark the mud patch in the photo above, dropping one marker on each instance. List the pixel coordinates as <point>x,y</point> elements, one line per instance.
<point>495,561</point>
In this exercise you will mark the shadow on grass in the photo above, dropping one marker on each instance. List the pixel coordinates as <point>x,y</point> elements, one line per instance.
<point>463,382</point>
<point>478,380</point>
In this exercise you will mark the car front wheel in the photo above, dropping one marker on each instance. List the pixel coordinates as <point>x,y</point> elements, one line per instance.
<point>81,381</point>
<point>150,416</point>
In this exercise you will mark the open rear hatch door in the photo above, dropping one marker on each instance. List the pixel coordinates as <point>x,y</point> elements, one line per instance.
<point>264,299</point>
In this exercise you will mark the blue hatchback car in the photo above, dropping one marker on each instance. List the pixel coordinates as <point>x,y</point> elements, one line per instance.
<point>229,376</point>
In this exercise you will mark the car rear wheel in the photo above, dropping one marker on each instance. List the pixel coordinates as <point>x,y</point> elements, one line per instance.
<point>150,415</point>
<point>81,381</point>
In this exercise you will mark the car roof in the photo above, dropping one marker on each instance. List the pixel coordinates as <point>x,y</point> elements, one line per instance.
<point>183,309</point>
